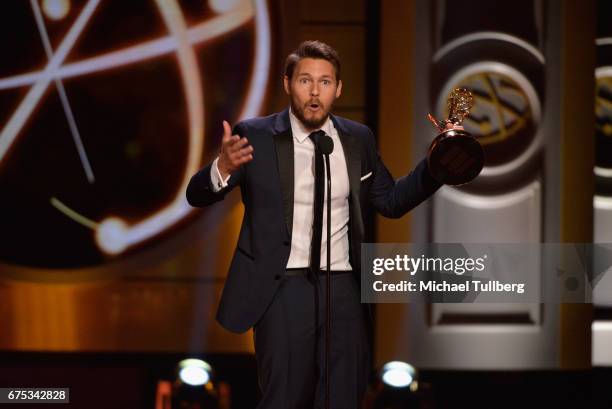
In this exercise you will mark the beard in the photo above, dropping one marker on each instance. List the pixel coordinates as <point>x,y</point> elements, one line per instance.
<point>315,120</point>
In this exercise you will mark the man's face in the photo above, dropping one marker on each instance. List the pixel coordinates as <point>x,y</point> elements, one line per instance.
<point>313,88</point>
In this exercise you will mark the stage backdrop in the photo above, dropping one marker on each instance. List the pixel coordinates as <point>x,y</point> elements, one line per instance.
<point>529,64</point>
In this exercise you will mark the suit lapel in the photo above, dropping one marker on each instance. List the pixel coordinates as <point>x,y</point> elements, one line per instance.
<point>283,140</point>
<point>352,154</point>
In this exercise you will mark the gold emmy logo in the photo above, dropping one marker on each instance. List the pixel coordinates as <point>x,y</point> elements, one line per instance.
<point>503,107</point>
<point>603,106</point>
<point>503,117</point>
<point>603,121</point>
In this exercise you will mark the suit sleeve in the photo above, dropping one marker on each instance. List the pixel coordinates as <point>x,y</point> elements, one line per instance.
<point>200,190</point>
<point>394,198</point>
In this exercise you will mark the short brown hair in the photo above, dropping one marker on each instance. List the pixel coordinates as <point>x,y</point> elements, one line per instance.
<point>312,49</point>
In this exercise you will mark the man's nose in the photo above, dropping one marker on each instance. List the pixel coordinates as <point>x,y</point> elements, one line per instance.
<point>314,91</point>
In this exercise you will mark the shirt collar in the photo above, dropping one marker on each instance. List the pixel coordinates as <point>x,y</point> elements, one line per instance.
<point>301,133</point>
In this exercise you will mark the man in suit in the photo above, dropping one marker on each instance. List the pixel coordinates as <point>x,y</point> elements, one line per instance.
<point>271,285</point>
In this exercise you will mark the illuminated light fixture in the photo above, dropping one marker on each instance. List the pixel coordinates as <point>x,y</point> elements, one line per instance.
<point>56,9</point>
<point>397,387</point>
<point>195,387</point>
<point>398,374</point>
<point>195,372</point>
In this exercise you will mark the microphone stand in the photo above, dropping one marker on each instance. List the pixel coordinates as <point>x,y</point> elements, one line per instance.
<point>325,146</point>
<point>328,284</point>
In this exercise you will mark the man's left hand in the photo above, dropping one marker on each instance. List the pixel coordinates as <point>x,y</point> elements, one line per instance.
<point>450,125</point>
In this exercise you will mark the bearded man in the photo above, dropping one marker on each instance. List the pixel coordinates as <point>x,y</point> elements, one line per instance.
<point>273,282</point>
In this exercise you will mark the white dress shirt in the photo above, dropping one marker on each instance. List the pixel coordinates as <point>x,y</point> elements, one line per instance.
<point>303,198</point>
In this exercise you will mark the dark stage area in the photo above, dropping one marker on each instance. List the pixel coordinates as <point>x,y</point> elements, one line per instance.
<point>108,381</point>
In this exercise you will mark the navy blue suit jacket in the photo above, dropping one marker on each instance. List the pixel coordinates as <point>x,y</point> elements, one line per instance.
<point>266,184</point>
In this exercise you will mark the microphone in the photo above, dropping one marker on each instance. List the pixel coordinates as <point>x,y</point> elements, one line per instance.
<point>326,144</point>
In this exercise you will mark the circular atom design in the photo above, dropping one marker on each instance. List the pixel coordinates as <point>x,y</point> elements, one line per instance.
<point>106,110</point>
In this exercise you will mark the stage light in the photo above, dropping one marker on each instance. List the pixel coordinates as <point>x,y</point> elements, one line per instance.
<point>395,388</point>
<point>399,375</point>
<point>194,372</point>
<point>196,387</point>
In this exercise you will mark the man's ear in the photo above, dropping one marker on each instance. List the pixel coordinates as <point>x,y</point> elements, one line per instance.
<point>339,89</point>
<point>286,84</point>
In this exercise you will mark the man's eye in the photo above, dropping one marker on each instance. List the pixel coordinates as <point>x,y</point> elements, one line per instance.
<point>304,80</point>
<point>325,82</point>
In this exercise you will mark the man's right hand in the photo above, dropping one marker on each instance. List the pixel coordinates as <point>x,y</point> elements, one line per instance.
<point>234,152</point>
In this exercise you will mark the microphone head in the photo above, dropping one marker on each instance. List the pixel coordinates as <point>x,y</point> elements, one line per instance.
<point>326,144</point>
